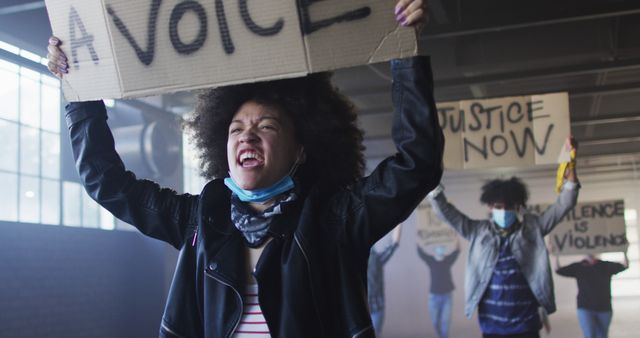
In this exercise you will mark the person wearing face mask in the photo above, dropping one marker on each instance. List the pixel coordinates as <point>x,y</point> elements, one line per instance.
<point>441,288</point>
<point>276,244</point>
<point>508,274</point>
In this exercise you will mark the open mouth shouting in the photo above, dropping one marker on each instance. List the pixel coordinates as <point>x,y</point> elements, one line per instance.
<point>250,158</point>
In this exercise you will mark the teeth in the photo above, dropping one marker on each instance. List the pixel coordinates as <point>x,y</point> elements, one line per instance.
<point>248,155</point>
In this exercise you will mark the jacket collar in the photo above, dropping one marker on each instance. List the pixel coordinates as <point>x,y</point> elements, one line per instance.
<point>215,206</point>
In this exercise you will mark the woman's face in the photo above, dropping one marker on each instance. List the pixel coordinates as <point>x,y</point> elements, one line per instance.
<point>261,147</point>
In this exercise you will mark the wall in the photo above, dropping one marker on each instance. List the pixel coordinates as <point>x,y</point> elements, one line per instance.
<point>72,282</point>
<point>407,277</point>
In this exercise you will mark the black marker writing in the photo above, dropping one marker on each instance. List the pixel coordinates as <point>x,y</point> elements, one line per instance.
<point>601,210</point>
<point>582,226</point>
<point>569,240</point>
<point>309,26</point>
<point>253,27</point>
<point>84,40</point>
<point>176,15</point>
<point>528,134</point>
<point>145,56</point>
<point>225,35</point>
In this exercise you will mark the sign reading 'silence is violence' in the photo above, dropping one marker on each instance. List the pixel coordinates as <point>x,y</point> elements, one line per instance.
<point>591,227</point>
<point>125,48</point>
<point>504,132</point>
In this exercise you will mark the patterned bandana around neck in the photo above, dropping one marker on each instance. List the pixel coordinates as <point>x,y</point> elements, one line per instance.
<point>254,225</point>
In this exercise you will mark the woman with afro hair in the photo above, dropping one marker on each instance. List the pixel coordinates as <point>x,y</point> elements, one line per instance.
<point>508,277</point>
<point>276,244</point>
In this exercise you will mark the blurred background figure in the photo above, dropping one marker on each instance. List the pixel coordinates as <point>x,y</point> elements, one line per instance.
<point>375,279</point>
<point>441,288</point>
<point>594,292</point>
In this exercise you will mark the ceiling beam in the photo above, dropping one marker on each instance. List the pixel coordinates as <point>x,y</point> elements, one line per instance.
<point>531,74</point>
<point>619,88</point>
<point>434,34</point>
<point>608,141</point>
<point>620,118</point>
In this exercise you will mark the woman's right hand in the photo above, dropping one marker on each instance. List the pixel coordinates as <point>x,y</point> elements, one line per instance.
<point>57,60</point>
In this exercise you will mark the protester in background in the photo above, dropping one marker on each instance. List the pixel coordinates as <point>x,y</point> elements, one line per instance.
<point>375,279</point>
<point>508,274</point>
<point>594,292</point>
<point>287,221</point>
<point>441,288</point>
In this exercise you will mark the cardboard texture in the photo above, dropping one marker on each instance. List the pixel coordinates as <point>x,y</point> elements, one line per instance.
<point>504,132</point>
<point>124,49</point>
<point>431,230</point>
<point>590,228</point>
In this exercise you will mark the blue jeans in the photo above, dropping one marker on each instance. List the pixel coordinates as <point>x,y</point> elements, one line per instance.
<point>440,312</point>
<point>377,317</point>
<point>594,324</point>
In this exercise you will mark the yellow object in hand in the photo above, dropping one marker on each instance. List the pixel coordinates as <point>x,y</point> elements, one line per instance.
<point>562,169</point>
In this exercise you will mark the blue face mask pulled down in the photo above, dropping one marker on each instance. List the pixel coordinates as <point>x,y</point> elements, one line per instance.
<point>260,195</point>
<point>503,218</point>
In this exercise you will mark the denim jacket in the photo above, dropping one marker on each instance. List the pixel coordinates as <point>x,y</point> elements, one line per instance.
<point>527,245</point>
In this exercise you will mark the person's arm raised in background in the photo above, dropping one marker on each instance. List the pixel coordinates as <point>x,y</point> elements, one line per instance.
<point>615,267</point>
<point>378,202</point>
<point>386,254</point>
<point>451,258</point>
<point>425,256</point>
<point>570,270</point>
<point>566,200</point>
<point>449,214</point>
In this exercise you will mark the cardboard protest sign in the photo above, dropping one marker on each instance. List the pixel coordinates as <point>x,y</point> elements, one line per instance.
<point>124,48</point>
<point>431,230</point>
<point>511,131</point>
<point>591,227</point>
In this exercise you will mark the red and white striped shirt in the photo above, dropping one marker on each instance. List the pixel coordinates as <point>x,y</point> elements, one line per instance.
<point>252,323</point>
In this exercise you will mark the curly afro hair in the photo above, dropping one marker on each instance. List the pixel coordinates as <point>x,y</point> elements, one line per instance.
<point>510,192</point>
<point>324,122</point>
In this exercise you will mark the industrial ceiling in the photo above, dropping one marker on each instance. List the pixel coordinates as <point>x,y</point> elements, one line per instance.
<point>482,49</point>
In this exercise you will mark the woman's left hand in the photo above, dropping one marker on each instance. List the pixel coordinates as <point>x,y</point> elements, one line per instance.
<point>411,12</point>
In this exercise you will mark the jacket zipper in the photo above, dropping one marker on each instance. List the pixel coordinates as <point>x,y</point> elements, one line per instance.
<point>239,298</point>
<point>170,331</point>
<point>306,258</point>
<point>361,331</point>
<point>195,236</point>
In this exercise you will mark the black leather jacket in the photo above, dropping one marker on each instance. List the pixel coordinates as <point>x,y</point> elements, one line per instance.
<point>312,276</point>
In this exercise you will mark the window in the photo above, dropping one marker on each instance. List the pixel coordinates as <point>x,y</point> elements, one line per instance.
<point>29,142</point>
<point>30,118</point>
